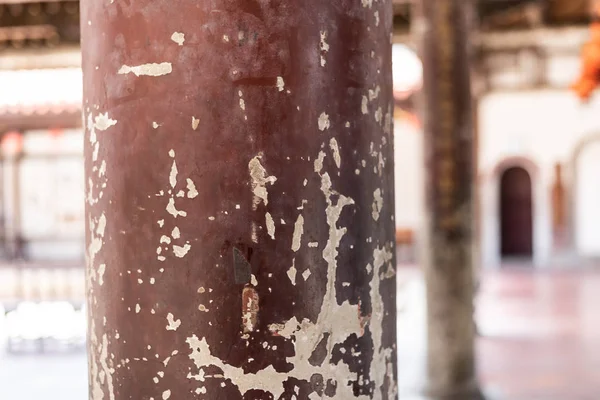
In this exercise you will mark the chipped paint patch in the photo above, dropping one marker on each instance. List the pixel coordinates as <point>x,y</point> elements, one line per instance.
<point>324,47</point>
<point>298,231</point>
<point>195,123</point>
<point>250,309</point>
<point>103,122</point>
<point>137,308</point>
<point>178,38</point>
<point>280,83</point>
<point>166,394</point>
<point>377,204</point>
<point>101,269</point>
<point>313,244</point>
<point>173,324</point>
<point>181,251</point>
<point>323,121</point>
<point>173,175</point>
<point>150,69</point>
<point>364,106</point>
<point>259,177</point>
<point>192,192</point>
<point>270,225</point>
<point>176,234</point>
<point>333,144</point>
<point>306,274</point>
<point>319,162</point>
<point>174,211</point>
<point>291,273</point>
<point>155,125</point>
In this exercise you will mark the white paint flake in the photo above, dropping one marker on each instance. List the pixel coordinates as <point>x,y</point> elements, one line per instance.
<point>172,153</point>
<point>291,273</point>
<point>137,308</point>
<point>155,125</point>
<point>173,323</point>
<point>173,175</point>
<point>166,394</point>
<point>178,38</point>
<point>242,104</point>
<point>192,192</point>
<point>280,83</point>
<point>324,47</point>
<point>103,122</point>
<point>319,162</point>
<point>270,225</point>
<point>377,204</point>
<point>298,231</point>
<point>161,222</point>
<point>181,251</point>
<point>176,234</point>
<point>174,211</point>
<point>259,177</point>
<point>323,121</point>
<point>367,3</point>
<point>306,274</point>
<point>364,106</point>
<point>376,15</point>
<point>195,123</point>
<point>101,269</point>
<point>151,69</point>
<point>336,152</point>
<point>313,244</point>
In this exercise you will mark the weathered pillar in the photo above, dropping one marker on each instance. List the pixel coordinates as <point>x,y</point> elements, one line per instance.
<point>442,29</point>
<point>240,199</point>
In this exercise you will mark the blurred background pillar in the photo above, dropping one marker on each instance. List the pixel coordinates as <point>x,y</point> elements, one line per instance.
<point>442,29</point>
<point>240,199</point>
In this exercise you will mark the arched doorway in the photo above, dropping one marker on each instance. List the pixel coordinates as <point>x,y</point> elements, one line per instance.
<point>516,214</point>
<point>587,212</point>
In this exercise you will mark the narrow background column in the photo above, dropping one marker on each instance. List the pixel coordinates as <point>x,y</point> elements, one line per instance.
<point>240,199</point>
<point>442,28</point>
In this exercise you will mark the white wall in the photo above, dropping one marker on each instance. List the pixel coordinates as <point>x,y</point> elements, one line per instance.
<point>544,126</point>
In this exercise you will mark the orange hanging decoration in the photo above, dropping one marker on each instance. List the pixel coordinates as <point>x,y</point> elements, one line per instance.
<point>590,69</point>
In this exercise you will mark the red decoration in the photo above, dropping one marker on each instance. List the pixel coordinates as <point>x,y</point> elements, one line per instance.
<point>590,70</point>
<point>12,143</point>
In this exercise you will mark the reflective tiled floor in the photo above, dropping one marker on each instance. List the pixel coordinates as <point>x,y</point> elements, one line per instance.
<point>540,334</point>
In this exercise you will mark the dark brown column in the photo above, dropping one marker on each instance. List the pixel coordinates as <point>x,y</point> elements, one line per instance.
<point>240,199</point>
<point>442,28</point>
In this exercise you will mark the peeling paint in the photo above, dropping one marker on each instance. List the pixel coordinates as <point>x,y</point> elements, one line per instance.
<point>280,83</point>
<point>259,177</point>
<point>173,324</point>
<point>364,106</point>
<point>336,152</point>
<point>173,175</point>
<point>270,225</point>
<point>306,274</point>
<point>101,269</point>
<point>103,122</point>
<point>178,38</point>
<point>174,211</point>
<point>191,187</point>
<point>324,47</point>
<point>377,204</point>
<point>176,234</point>
<point>195,123</point>
<point>291,273</point>
<point>323,121</point>
<point>150,69</point>
<point>298,231</point>
<point>319,162</point>
<point>181,251</point>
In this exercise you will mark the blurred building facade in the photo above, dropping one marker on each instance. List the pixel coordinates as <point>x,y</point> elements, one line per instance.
<point>538,182</point>
<point>41,148</point>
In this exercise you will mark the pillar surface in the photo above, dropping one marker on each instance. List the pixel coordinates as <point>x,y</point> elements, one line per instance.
<point>239,199</point>
<point>443,28</point>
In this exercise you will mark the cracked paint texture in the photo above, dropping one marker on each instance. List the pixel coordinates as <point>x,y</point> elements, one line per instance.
<point>239,127</point>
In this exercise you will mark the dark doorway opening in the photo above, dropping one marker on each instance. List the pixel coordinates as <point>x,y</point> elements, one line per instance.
<point>516,214</point>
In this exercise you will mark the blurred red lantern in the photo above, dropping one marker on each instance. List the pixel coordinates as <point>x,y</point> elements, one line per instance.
<point>12,143</point>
